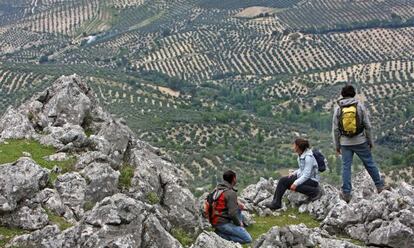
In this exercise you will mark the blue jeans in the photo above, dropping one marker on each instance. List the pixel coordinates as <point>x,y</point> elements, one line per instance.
<point>231,232</point>
<point>364,153</point>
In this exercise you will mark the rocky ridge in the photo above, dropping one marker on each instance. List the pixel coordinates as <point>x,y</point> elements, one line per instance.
<point>380,220</point>
<point>102,213</point>
<point>68,117</point>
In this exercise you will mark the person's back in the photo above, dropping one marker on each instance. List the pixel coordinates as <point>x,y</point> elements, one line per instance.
<point>228,222</point>
<point>228,210</point>
<point>351,131</point>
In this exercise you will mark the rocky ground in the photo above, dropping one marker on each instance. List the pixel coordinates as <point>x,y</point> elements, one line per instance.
<point>68,117</point>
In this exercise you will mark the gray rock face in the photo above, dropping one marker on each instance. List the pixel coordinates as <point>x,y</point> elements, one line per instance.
<point>299,236</point>
<point>156,236</point>
<point>26,218</point>
<point>71,188</point>
<point>102,181</point>
<point>68,102</point>
<point>392,234</point>
<point>210,239</point>
<point>19,181</point>
<point>51,200</point>
<point>35,239</point>
<point>118,135</point>
<point>156,176</point>
<point>15,125</point>
<point>65,138</point>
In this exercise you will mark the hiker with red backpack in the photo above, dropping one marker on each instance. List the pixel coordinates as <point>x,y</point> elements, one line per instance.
<point>223,211</point>
<point>351,131</point>
<point>305,179</point>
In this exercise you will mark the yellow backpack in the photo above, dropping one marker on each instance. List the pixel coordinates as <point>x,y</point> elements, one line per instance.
<point>349,122</point>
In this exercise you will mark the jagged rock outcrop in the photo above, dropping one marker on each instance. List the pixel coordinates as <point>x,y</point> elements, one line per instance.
<point>384,219</point>
<point>299,236</point>
<point>89,196</point>
<point>18,181</point>
<point>210,239</point>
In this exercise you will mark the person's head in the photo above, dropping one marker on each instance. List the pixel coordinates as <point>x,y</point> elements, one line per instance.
<point>348,91</point>
<point>300,145</point>
<point>230,177</point>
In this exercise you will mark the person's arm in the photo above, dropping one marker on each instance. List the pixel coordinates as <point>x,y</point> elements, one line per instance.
<point>307,171</point>
<point>233,207</point>
<point>367,125</point>
<point>335,130</point>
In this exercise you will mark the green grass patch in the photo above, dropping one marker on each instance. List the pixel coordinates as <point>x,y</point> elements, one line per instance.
<point>289,217</point>
<point>186,239</point>
<point>58,220</point>
<point>153,198</point>
<point>14,149</point>
<point>127,172</point>
<point>9,233</point>
<point>351,240</point>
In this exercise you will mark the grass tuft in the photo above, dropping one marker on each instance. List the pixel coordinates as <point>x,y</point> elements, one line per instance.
<point>125,179</point>
<point>58,220</point>
<point>9,233</point>
<point>14,148</point>
<point>289,217</point>
<point>186,239</point>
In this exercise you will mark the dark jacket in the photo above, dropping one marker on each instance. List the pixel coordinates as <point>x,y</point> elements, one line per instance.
<point>231,212</point>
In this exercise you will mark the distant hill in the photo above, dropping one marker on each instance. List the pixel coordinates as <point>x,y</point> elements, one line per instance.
<point>218,91</point>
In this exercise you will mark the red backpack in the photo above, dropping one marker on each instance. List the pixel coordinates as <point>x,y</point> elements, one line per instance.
<point>214,204</point>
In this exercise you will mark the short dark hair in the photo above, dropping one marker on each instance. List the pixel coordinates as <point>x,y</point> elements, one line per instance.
<point>302,144</point>
<point>229,175</point>
<point>348,91</point>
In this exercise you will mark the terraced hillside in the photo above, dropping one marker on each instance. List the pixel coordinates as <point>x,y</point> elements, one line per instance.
<point>223,84</point>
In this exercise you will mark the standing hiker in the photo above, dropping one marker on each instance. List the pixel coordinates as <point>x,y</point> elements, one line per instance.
<point>224,210</point>
<point>304,180</point>
<point>351,130</point>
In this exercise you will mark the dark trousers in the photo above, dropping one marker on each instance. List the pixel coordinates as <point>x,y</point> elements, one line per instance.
<point>309,188</point>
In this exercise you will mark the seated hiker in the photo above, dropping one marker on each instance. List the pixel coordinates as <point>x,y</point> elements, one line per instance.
<point>224,211</point>
<point>304,180</point>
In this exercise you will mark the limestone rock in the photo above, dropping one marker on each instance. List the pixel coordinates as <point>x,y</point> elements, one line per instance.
<point>71,188</point>
<point>36,238</point>
<point>102,181</point>
<point>19,181</point>
<point>210,239</point>
<point>28,218</point>
<point>15,125</point>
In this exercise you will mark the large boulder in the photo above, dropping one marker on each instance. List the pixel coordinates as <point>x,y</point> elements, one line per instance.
<point>102,181</point>
<point>20,180</point>
<point>28,218</point>
<point>156,177</point>
<point>211,239</point>
<point>299,236</point>
<point>66,102</point>
<point>37,238</point>
<point>72,188</point>
<point>392,234</point>
<point>15,125</point>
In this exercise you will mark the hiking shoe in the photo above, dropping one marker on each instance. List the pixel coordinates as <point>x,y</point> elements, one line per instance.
<point>311,199</point>
<point>345,196</point>
<point>272,206</point>
<point>317,197</point>
<point>382,188</point>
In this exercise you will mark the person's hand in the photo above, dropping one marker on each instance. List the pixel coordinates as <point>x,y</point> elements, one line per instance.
<point>293,187</point>
<point>338,151</point>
